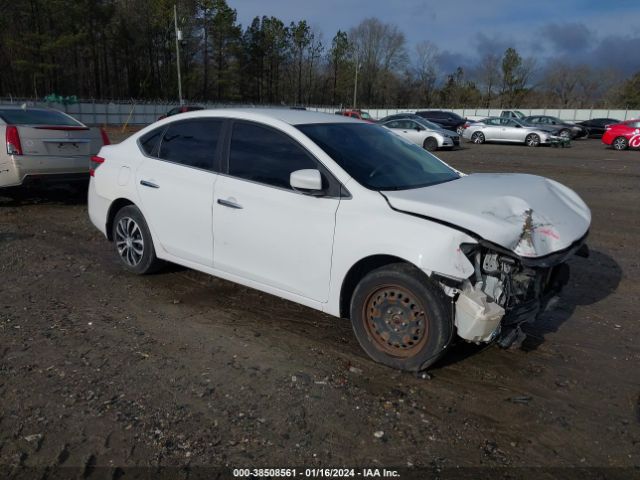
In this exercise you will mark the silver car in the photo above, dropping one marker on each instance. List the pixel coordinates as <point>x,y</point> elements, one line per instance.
<point>421,132</point>
<point>500,129</point>
<point>44,144</point>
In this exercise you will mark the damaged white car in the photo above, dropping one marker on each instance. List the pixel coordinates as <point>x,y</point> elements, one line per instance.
<point>344,217</point>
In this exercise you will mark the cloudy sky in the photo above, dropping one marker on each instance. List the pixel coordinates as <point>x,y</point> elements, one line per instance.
<point>602,33</point>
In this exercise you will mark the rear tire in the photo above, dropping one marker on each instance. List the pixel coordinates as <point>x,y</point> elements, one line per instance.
<point>620,143</point>
<point>400,318</point>
<point>133,242</point>
<point>430,144</point>
<point>477,137</point>
<point>532,140</point>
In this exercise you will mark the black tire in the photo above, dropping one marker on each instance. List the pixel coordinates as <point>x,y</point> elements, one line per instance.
<point>477,137</point>
<point>565,133</point>
<point>620,143</point>
<point>130,230</point>
<point>430,144</point>
<point>532,140</point>
<point>415,320</point>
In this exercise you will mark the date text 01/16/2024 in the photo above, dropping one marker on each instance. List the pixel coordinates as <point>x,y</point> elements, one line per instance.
<point>315,473</point>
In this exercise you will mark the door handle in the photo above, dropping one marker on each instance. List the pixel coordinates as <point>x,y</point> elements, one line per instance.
<point>230,204</point>
<point>145,183</point>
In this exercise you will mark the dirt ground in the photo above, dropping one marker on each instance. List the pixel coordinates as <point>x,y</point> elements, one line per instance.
<point>101,370</point>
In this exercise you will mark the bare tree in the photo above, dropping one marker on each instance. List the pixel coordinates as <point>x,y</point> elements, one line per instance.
<point>425,71</point>
<point>561,80</point>
<point>488,75</point>
<point>381,51</point>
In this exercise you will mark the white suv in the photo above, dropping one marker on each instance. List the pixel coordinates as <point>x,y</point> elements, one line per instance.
<point>344,217</point>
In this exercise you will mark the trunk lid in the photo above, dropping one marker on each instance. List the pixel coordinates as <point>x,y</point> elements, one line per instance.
<point>59,140</point>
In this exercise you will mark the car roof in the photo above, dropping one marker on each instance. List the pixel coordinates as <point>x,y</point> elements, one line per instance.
<point>286,115</point>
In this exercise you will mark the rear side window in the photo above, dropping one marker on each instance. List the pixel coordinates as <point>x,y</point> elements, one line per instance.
<point>191,142</point>
<point>150,142</point>
<point>37,117</point>
<point>266,156</point>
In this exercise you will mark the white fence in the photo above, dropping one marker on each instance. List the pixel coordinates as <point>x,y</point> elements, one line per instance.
<point>110,113</point>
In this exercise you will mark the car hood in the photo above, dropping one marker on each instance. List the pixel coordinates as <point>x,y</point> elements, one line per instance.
<point>530,215</point>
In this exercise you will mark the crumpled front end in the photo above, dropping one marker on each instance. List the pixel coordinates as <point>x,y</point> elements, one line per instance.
<point>507,291</point>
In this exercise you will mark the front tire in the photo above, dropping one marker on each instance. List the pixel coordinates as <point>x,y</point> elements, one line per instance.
<point>532,140</point>
<point>477,138</point>
<point>400,318</point>
<point>565,133</point>
<point>430,144</point>
<point>133,242</point>
<point>620,143</point>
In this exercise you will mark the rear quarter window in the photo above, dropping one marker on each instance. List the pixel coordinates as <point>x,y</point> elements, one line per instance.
<point>150,142</point>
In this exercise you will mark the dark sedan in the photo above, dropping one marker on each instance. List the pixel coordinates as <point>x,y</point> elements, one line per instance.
<point>597,126</point>
<point>562,128</point>
<point>447,120</point>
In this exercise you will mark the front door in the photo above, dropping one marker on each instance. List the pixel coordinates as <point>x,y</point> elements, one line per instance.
<point>264,231</point>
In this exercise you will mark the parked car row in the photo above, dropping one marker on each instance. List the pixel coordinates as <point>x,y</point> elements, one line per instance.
<point>273,185</point>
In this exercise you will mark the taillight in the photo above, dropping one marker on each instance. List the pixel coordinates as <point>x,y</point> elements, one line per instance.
<point>14,147</point>
<point>105,137</point>
<point>96,161</point>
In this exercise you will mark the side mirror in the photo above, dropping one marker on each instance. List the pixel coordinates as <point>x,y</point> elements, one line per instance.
<point>419,128</point>
<point>308,180</point>
<point>518,125</point>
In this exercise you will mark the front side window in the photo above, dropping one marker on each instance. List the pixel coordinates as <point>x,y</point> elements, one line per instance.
<point>191,142</point>
<point>377,158</point>
<point>264,155</point>
<point>393,124</point>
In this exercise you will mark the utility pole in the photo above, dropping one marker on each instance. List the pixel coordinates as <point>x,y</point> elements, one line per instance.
<point>178,38</point>
<point>355,84</point>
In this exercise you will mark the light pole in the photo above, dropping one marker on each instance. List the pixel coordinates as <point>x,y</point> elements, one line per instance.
<point>178,38</point>
<point>355,83</point>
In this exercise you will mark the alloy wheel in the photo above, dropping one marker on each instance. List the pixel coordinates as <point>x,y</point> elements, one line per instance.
<point>129,241</point>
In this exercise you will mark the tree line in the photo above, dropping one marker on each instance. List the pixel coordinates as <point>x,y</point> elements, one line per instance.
<point>121,49</point>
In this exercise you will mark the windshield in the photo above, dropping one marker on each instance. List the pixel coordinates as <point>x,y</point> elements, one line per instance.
<point>377,158</point>
<point>18,116</point>
<point>365,116</point>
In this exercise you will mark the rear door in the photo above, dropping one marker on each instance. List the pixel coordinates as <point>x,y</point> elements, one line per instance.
<point>493,129</point>
<point>265,231</point>
<point>175,183</point>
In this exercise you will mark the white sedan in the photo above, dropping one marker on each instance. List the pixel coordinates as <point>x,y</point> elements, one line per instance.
<point>344,217</point>
<point>421,132</point>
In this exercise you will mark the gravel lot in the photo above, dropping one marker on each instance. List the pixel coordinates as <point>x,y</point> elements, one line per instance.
<point>101,370</point>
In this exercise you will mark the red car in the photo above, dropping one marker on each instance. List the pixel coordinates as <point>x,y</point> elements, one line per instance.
<point>623,135</point>
<point>356,113</point>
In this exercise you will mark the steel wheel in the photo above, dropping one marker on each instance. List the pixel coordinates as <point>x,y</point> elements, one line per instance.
<point>532,140</point>
<point>620,143</point>
<point>459,130</point>
<point>477,137</point>
<point>129,241</point>
<point>395,320</point>
<point>565,134</point>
